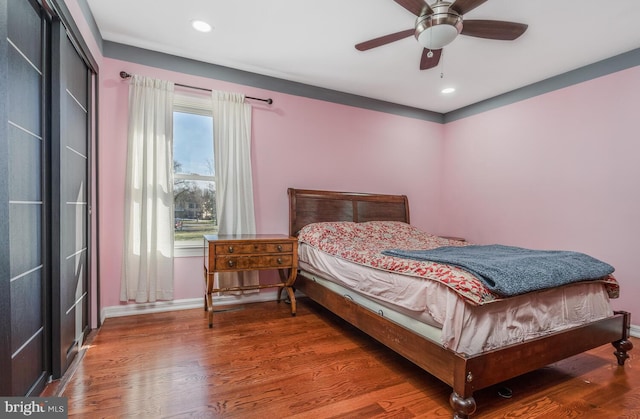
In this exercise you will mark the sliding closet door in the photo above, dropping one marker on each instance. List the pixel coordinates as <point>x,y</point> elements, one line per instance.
<point>23,266</point>
<point>70,214</point>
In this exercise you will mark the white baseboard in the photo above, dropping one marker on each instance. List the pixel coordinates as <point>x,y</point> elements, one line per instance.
<point>635,331</point>
<point>185,304</point>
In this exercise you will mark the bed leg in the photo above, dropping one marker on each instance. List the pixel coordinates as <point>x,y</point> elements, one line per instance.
<point>623,345</point>
<point>462,408</point>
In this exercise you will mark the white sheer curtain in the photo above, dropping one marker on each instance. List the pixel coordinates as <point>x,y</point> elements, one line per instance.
<point>234,180</point>
<point>147,269</point>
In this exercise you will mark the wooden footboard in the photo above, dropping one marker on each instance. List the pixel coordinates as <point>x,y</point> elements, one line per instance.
<point>466,374</point>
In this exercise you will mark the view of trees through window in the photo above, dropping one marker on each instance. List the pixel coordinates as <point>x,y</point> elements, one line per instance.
<point>194,188</point>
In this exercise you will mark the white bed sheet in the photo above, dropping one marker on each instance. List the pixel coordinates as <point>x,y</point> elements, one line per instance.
<point>465,328</point>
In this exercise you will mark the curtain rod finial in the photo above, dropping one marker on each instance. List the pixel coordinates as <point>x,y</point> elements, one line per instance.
<point>124,75</point>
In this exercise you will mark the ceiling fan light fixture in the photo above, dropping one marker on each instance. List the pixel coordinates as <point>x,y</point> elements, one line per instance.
<point>437,30</point>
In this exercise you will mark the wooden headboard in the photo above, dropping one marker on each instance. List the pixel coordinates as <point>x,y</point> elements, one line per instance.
<point>309,206</point>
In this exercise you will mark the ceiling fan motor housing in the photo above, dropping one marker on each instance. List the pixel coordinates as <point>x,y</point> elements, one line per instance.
<point>434,31</point>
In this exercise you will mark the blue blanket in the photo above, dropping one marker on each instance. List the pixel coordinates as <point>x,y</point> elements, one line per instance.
<point>509,271</point>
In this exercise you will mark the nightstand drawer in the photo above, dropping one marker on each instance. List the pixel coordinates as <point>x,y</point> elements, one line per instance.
<point>243,249</point>
<point>233,263</point>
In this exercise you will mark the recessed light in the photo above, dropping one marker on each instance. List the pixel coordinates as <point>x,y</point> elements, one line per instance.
<point>201,25</point>
<point>448,90</point>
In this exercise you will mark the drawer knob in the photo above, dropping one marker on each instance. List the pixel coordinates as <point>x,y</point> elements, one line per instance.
<point>231,263</point>
<point>279,248</point>
<point>230,249</point>
<point>279,261</point>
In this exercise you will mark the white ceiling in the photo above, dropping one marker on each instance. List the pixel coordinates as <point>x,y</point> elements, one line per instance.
<point>312,42</point>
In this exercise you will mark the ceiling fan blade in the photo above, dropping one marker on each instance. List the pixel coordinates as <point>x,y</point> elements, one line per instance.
<point>427,62</point>
<point>465,6</point>
<point>493,29</point>
<point>417,7</point>
<point>383,40</point>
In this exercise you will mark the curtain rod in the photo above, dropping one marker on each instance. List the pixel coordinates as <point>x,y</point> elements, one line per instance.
<point>125,75</point>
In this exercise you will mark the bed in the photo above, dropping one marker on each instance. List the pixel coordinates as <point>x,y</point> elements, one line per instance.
<point>436,342</point>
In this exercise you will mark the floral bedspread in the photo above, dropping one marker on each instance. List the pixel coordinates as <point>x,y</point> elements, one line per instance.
<point>362,243</point>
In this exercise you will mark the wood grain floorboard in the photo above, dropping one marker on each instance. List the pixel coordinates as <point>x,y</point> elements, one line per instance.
<point>259,362</point>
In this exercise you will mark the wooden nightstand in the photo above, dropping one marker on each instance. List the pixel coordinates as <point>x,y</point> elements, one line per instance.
<point>250,252</point>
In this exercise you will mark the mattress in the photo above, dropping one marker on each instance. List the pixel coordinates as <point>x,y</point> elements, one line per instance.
<point>435,311</point>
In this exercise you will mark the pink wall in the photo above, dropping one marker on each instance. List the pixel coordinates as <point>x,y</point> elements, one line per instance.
<point>297,142</point>
<point>555,171</point>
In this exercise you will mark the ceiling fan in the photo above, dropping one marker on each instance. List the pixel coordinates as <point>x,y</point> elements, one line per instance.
<point>439,24</point>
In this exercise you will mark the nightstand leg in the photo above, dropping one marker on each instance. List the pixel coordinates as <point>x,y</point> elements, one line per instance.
<point>292,297</point>
<point>208,296</point>
<point>210,310</point>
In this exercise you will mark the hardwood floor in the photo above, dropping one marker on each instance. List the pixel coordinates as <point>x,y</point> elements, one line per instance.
<point>259,362</point>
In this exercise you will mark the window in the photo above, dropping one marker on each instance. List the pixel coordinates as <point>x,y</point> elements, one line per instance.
<point>194,186</point>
